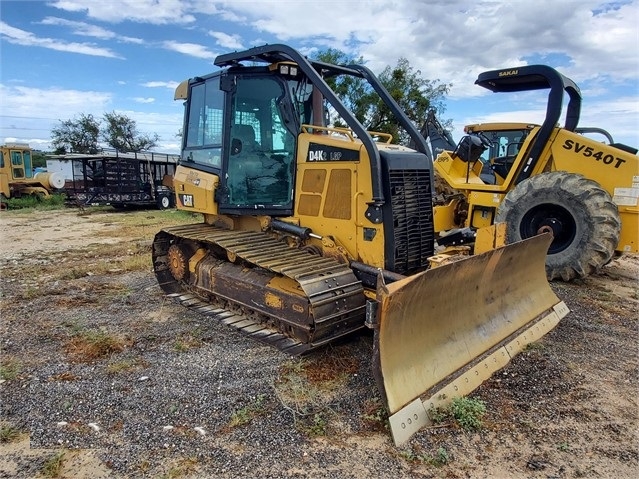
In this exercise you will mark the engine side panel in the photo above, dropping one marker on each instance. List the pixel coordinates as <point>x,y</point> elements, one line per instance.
<point>332,186</point>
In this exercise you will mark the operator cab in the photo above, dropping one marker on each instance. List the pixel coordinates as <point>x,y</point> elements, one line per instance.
<point>495,145</point>
<point>251,147</point>
<point>504,146</point>
<point>242,125</point>
<point>16,161</point>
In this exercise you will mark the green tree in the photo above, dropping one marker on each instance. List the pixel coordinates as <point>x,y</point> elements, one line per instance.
<point>79,135</point>
<point>121,133</point>
<point>414,94</point>
<point>38,159</point>
<point>352,91</point>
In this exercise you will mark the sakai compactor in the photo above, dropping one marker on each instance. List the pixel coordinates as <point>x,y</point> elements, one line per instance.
<point>311,233</point>
<point>537,178</point>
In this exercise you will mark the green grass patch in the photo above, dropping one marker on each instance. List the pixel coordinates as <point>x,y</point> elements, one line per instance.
<point>37,202</point>
<point>9,369</point>
<point>464,411</point>
<point>438,459</point>
<point>87,346</point>
<point>564,446</point>
<point>375,415</point>
<point>8,434</point>
<point>309,387</point>
<point>246,414</point>
<point>184,467</point>
<point>185,344</point>
<point>52,467</point>
<point>535,346</point>
<point>126,365</point>
<point>317,425</point>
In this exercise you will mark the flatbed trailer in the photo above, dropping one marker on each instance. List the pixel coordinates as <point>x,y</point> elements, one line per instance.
<point>121,180</point>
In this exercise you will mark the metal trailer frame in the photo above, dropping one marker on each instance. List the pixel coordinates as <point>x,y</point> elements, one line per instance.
<point>121,179</point>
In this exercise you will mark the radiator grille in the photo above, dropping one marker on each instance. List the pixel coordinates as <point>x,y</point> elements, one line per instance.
<point>411,202</point>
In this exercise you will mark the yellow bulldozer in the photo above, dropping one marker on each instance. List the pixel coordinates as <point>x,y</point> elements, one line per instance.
<point>313,232</point>
<point>17,178</point>
<point>540,178</point>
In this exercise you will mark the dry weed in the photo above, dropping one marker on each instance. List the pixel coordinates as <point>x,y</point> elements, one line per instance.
<point>91,345</point>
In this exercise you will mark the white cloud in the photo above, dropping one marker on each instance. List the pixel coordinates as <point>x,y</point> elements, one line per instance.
<point>450,40</point>
<point>191,49</point>
<point>34,121</point>
<point>158,12</point>
<point>453,46</point>
<point>161,84</point>
<point>143,100</point>
<point>88,30</point>
<point>35,111</point>
<point>60,103</point>
<point>619,116</point>
<point>22,37</point>
<point>455,40</point>
<point>232,42</point>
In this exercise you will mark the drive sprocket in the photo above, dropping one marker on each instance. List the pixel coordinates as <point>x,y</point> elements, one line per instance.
<point>178,262</point>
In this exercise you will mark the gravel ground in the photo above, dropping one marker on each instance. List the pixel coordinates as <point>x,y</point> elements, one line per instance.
<point>174,394</point>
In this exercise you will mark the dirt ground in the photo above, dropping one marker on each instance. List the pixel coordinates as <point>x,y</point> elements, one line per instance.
<point>566,407</point>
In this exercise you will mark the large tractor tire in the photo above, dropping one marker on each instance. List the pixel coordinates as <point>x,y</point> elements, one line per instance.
<point>579,213</point>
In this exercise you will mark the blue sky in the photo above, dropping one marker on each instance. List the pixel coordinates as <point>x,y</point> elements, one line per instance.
<point>62,58</point>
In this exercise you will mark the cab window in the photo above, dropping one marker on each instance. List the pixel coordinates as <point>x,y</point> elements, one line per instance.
<point>203,139</point>
<point>259,171</point>
<point>17,164</point>
<point>505,143</point>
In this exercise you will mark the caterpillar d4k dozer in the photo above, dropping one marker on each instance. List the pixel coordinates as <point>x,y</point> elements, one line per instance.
<point>312,232</point>
<point>541,178</point>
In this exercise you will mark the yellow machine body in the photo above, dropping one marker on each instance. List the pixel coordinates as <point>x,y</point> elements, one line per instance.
<point>615,170</point>
<point>541,178</point>
<point>16,174</point>
<point>331,230</point>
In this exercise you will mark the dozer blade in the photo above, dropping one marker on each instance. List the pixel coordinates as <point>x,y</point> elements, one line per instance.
<point>441,333</point>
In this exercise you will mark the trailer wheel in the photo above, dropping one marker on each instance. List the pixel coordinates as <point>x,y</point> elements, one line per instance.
<point>579,213</point>
<point>164,202</point>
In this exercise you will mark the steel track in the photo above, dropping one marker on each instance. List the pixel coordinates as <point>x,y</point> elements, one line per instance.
<point>336,303</point>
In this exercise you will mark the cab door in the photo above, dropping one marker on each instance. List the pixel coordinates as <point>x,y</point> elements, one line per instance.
<point>258,166</point>
<point>21,166</point>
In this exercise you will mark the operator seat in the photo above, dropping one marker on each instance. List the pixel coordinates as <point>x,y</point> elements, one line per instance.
<point>245,164</point>
<point>245,136</point>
